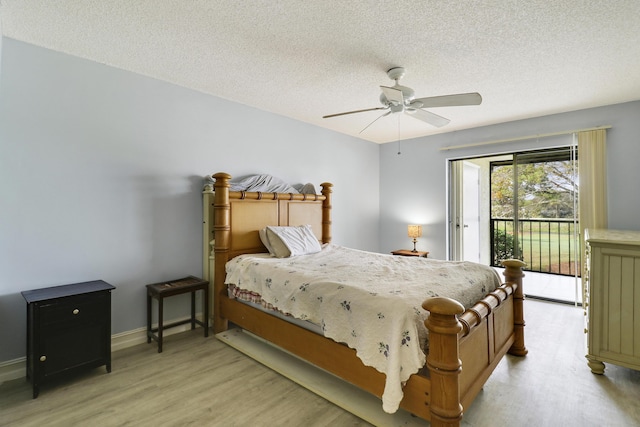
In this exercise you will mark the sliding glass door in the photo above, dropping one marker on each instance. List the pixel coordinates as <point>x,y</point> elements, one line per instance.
<point>534,217</point>
<point>527,203</point>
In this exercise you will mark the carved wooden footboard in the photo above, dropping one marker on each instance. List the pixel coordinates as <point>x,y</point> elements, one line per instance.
<point>464,347</point>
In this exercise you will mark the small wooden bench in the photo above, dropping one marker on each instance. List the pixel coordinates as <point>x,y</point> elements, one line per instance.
<point>162,290</point>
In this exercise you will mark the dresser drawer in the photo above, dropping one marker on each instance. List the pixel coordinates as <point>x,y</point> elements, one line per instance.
<point>74,309</point>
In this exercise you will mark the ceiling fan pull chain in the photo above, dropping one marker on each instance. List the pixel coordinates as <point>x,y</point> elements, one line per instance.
<point>399,151</point>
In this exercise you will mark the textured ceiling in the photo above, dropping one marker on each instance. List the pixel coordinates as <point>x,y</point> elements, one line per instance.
<point>306,59</point>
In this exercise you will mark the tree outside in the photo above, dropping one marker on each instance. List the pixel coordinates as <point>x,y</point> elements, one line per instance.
<point>547,212</point>
<point>546,190</point>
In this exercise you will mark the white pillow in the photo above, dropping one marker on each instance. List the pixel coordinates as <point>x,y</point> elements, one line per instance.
<point>265,241</point>
<point>292,241</point>
<point>278,248</point>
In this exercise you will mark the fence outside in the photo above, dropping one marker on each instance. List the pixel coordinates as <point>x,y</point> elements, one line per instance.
<point>546,245</point>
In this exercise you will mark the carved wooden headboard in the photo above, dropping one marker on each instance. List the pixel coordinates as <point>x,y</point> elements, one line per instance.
<point>231,220</point>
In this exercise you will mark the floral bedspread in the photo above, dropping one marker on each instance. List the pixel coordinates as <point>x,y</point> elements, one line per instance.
<point>371,302</point>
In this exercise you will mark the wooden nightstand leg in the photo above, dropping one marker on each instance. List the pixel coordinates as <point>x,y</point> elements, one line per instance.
<point>149,302</point>
<point>205,303</point>
<point>193,310</point>
<point>160,315</point>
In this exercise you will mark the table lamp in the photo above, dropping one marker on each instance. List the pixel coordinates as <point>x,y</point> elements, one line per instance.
<point>414,231</point>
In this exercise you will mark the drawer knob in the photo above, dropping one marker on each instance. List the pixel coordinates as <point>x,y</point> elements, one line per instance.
<point>43,358</point>
<point>76,311</point>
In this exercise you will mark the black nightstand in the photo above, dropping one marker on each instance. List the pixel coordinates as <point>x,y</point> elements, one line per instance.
<point>68,329</point>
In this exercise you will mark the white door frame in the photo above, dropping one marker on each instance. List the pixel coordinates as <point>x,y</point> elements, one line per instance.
<point>455,207</point>
<point>470,212</point>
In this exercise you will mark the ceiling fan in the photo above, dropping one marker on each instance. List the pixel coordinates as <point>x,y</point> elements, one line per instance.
<point>399,99</point>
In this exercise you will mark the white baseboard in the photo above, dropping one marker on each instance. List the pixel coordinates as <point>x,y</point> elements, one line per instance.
<point>16,368</point>
<point>13,369</point>
<point>139,336</point>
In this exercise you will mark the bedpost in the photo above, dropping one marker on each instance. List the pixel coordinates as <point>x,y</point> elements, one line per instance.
<point>513,274</point>
<point>326,212</point>
<point>207,241</point>
<point>207,230</point>
<point>222,232</point>
<point>443,360</point>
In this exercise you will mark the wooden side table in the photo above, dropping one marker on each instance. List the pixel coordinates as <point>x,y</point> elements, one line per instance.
<point>408,252</point>
<point>162,290</point>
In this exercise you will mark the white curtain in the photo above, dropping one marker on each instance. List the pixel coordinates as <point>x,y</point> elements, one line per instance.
<point>592,171</point>
<point>592,196</point>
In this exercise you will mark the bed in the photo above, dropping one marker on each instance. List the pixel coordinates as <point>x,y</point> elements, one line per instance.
<point>464,345</point>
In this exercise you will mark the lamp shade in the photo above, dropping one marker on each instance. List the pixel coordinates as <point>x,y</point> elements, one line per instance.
<point>414,231</point>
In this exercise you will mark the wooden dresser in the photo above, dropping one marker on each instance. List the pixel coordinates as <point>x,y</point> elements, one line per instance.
<point>612,298</point>
<point>68,329</point>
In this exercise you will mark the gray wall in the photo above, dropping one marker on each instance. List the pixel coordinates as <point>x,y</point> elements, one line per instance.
<point>101,172</point>
<point>413,185</point>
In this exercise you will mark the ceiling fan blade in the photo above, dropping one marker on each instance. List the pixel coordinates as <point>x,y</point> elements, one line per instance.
<point>353,112</point>
<point>384,115</point>
<point>459,99</point>
<point>428,117</point>
<point>393,94</point>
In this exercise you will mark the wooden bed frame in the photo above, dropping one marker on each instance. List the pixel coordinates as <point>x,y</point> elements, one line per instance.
<point>464,346</point>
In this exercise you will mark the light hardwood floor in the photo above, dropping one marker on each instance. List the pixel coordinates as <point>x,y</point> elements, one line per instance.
<point>201,381</point>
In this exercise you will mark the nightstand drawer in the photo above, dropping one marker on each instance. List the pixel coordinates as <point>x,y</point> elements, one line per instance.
<point>81,308</point>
